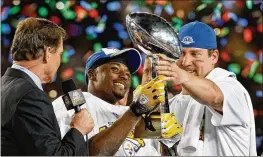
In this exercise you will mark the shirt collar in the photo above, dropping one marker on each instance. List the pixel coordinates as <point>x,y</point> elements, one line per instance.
<point>33,76</point>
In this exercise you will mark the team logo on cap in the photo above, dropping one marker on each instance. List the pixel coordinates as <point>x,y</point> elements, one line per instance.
<point>110,51</point>
<point>187,40</point>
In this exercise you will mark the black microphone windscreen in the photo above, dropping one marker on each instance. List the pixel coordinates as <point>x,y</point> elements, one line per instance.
<point>68,86</point>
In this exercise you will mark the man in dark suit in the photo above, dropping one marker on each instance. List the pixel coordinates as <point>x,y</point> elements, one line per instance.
<point>28,123</point>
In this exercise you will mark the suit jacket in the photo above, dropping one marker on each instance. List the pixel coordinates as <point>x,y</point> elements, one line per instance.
<point>29,125</point>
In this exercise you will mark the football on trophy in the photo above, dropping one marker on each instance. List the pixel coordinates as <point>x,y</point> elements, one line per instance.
<point>152,34</point>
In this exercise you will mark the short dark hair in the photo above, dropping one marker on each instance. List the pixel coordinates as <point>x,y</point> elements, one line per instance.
<point>210,52</point>
<point>33,35</point>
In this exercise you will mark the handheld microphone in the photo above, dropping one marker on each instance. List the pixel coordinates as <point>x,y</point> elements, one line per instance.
<point>73,97</point>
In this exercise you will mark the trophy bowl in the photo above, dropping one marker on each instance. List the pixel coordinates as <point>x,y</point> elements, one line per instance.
<point>153,35</point>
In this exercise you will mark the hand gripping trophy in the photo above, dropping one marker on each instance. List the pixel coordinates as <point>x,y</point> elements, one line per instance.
<point>153,35</point>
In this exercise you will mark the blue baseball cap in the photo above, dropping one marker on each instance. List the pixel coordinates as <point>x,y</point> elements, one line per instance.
<point>131,56</point>
<point>198,34</point>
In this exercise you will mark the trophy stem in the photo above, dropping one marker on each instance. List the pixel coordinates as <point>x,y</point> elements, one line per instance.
<point>164,107</point>
<point>153,61</point>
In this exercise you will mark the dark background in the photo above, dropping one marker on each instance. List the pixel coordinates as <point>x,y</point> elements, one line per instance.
<point>92,25</point>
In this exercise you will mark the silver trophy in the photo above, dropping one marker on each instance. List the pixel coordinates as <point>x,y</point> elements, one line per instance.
<point>154,35</point>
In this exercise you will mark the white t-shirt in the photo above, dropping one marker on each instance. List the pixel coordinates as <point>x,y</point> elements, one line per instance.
<point>104,115</point>
<point>228,134</point>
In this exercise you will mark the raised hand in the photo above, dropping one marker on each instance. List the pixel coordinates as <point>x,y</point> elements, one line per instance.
<point>147,97</point>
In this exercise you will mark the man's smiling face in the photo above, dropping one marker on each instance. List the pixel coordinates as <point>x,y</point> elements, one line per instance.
<point>112,80</point>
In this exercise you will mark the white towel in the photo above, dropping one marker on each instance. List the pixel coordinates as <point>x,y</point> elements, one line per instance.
<point>191,125</point>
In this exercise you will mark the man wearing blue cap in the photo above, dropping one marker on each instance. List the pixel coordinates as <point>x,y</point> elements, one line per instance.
<point>108,74</point>
<point>214,108</point>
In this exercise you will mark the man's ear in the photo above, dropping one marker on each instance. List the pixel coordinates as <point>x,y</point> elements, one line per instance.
<point>47,54</point>
<point>215,56</point>
<point>92,74</point>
